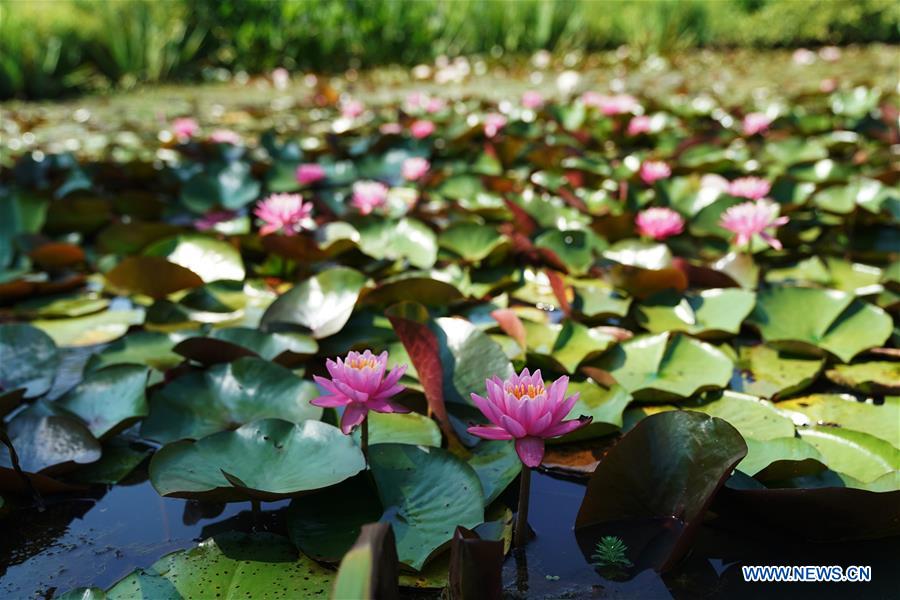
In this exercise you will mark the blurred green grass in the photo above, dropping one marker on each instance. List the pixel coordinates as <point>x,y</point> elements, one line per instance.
<point>50,48</point>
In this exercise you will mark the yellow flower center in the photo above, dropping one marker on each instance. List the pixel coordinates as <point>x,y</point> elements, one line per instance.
<point>362,363</point>
<point>525,390</point>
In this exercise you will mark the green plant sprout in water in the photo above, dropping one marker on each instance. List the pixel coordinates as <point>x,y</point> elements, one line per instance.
<point>609,557</point>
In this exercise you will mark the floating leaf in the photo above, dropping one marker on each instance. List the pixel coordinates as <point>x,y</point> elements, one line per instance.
<point>425,493</point>
<point>400,428</point>
<point>49,444</point>
<point>204,402</point>
<point>151,276</point>
<point>208,257</point>
<point>770,372</point>
<point>662,474</point>
<point>394,240</point>
<point>149,348</point>
<point>753,417</point>
<point>230,343</point>
<point>98,328</point>
<point>468,357</point>
<point>471,241</point>
<point>28,359</point>
<point>262,564</point>
<point>496,464</point>
<point>780,459</point>
<point>879,420</point>
<point>870,377</point>
<point>322,303</point>
<point>860,455</point>
<point>109,399</point>
<point>298,457</point>
<point>666,365</point>
<point>604,405</point>
<point>712,312</point>
<point>228,185</point>
<point>829,319</point>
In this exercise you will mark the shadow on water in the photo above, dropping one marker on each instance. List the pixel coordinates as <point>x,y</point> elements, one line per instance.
<point>97,539</point>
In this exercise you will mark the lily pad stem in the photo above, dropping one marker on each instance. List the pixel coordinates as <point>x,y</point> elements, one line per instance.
<point>520,533</point>
<point>364,438</point>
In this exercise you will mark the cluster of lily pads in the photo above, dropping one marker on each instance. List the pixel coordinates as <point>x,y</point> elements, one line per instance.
<point>718,287</point>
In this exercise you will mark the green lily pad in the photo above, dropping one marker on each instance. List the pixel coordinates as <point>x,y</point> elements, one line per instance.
<point>230,186</point>
<point>151,348</point>
<point>266,459</point>
<point>28,359</point>
<point>874,377</point>
<point>769,372</point>
<point>120,458</point>
<point>109,400</point>
<point>604,404</point>
<point>828,319</point>
<point>325,523</point>
<point>98,328</point>
<point>399,428</point>
<point>151,276</point>
<point>66,305</point>
<point>426,493</point>
<point>714,311</point>
<point>667,468</point>
<point>210,258</point>
<point>780,459</point>
<point>422,492</point>
<point>574,248</point>
<point>201,403</point>
<point>469,357</point>
<point>496,464</point>
<point>232,564</point>
<point>880,420</point>
<point>596,298</point>
<point>563,347</point>
<point>636,253</point>
<point>395,240</point>
<point>753,417</point>
<point>49,444</point>
<point>860,455</point>
<point>323,303</point>
<point>471,241</point>
<point>229,343</point>
<point>663,366</point>
<point>866,193</point>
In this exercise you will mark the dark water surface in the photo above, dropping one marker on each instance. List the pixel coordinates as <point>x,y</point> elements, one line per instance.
<point>83,541</point>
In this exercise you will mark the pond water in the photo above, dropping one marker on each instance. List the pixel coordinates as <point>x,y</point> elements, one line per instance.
<point>97,539</point>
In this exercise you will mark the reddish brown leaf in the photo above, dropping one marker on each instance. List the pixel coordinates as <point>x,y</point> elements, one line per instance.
<point>152,276</point>
<point>510,324</point>
<point>476,566</point>
<point>409,321</point>
<point>561,291</point>
<point>56,255</point>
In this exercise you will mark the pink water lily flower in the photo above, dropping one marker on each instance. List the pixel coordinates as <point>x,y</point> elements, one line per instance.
<point>225,136</point>
<point>652,171</point>
<point>755,123</point>
<point>352,109</point>
<point>391,128</point>
<point>493,123</point>
<point>435,105</point>
<point>659,223</point>
<point>752,188</point>
<point>359,384</point>
<point>209,221</point>
<point>753,218</point>
<point>611,105</point>
<point>421,129</point>
<point>185,128</point>
<point>523,409</point>
<point>309,173</point>
<point>638,125</point>
<point>284,213</point>
<point>369,195</point>
<point>415,168</point>
<point>532,99</point>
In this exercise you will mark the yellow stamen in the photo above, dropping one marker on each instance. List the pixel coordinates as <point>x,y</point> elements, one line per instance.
<point>361,363</point>
<point>522,390</point>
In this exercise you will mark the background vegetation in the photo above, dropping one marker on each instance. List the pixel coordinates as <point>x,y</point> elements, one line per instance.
<point>52,47</point>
